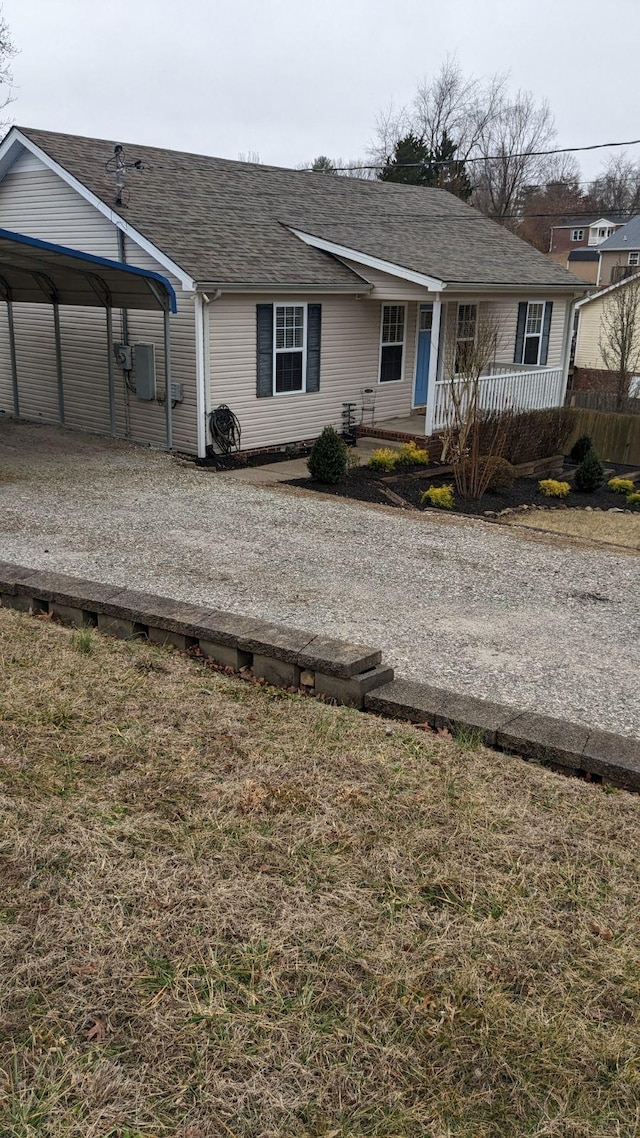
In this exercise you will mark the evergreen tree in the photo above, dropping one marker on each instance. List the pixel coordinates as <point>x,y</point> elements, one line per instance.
<point>413,164</point>
<point>328,458</point>
<point>590,474</point>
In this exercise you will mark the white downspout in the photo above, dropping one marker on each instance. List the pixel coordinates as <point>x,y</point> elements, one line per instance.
<point>203,366</point>
<point>201,381</point>
<point>433,366</point>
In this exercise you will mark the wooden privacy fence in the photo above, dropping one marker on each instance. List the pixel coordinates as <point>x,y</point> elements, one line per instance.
<point>616,437</point>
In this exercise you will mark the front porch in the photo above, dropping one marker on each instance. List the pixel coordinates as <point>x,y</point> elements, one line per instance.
<point>517,389</point>
<point>520,345</point>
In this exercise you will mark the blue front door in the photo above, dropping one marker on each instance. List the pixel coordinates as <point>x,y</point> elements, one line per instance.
<point>425,317</point>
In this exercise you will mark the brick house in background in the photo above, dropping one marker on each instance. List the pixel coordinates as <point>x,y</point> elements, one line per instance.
<point>580,233</point>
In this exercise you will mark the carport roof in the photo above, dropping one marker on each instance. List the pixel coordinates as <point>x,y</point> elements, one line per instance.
<point>38,272</point>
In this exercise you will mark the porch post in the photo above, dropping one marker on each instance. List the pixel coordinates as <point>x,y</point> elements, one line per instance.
<point>433,367</point>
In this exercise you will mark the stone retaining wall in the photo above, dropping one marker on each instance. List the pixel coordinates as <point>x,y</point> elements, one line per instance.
<point>339,670</point>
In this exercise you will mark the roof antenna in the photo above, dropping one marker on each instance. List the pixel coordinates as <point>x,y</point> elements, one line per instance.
<point>121,166</point>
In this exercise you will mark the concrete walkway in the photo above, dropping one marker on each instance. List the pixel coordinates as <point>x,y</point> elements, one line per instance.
<point>273,472</point>
<point>522,619</point>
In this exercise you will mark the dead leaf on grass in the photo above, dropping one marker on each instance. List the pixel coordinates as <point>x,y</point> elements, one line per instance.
<point>97,1030</point>
<point>599,930</point>
<point>84,969</point>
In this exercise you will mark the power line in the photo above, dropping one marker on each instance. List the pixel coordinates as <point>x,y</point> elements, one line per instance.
<point>488,157</point>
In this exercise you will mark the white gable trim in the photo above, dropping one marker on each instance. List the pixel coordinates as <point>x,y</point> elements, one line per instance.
<point>431,283</point>
<point>15,136</point>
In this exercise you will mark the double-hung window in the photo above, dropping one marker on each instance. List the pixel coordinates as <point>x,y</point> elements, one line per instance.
<point>533,333</point>
<point>577,234</point>
<point>289,347</point>
<point>466,328</point>
<point>392,337</point>
<point>634,258</point>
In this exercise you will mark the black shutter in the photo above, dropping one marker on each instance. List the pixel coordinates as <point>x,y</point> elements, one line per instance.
<point>314,322</point>
<point>264,316</point>
<point>522,320</point>
<point>546,327</point>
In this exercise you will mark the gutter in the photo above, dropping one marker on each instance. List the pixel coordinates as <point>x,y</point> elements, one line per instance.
<point>270,287</point>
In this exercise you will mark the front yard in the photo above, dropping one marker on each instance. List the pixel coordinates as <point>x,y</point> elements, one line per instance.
<point>230,911</point>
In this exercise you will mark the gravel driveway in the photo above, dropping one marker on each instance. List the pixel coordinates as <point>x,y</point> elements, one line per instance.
<point>531,621</point>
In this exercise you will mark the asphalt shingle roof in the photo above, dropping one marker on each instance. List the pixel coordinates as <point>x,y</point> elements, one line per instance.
<point>626,238</point>
<point>227,221</point>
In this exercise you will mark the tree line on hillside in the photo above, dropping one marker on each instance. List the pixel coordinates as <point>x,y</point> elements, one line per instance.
<point>485,143</point>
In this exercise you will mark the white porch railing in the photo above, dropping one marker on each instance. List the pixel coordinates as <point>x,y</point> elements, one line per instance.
<point>527,389</point>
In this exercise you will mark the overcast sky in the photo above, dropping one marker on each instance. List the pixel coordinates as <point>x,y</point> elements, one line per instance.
<point>291,79</point>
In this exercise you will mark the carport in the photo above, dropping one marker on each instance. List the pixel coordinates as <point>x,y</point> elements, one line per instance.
<point>38,272</point>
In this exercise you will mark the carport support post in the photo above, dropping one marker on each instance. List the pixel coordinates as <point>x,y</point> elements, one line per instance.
<point>112,389</point>
<point>56,325</point>
<point>14,361</point>
<point>167,378</point>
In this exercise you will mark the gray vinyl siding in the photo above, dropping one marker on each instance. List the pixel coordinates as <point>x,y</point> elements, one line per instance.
<point>504,311</point>
<point>35,201</point>
<point>349,361</point>
<point>388,287</point>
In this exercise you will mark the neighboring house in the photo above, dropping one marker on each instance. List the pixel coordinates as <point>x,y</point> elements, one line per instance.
<point>581,233</point>
<point>590,371</point>
<point>296,293</point>
<point>584,263</point>
<point>620,254</point>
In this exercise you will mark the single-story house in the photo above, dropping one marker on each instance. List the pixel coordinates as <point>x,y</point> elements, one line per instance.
<point>596,315</point>
<point>298,293</point>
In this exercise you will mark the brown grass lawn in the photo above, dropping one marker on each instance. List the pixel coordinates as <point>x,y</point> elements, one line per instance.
<point>230,911</point>
<point>599,525</point>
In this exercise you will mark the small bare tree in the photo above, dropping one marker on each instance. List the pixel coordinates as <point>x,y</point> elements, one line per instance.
<point>471,438</point>
<point>620,336</point>
<point>7,53</point>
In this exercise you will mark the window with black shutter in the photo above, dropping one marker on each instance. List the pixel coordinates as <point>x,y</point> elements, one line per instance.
<point>392,337</point>
<point>288,348</point>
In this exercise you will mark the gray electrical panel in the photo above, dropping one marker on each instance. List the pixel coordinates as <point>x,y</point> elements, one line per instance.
<point>144,364</point>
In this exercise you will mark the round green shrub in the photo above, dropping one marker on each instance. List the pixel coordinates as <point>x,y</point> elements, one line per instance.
<point>328,459</point>
<point>590,474</point>
<point>580,449</point>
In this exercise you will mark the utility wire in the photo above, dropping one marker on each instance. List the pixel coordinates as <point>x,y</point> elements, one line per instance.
<point>492,157</point>
<point>488,157</point>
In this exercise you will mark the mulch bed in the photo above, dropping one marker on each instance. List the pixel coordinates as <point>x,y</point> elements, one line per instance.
<point>406,489</point>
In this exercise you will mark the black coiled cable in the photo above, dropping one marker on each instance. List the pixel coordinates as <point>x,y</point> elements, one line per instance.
<point>225,429</point>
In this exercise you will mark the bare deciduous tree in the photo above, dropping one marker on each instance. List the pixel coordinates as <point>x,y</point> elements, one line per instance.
<point>508,146</point>
<point>620,336</point>
<point>486,123</point>
<point>471,439</point>
<point>561,198</point>
<point>7,53</point>
<point>617,189</point>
